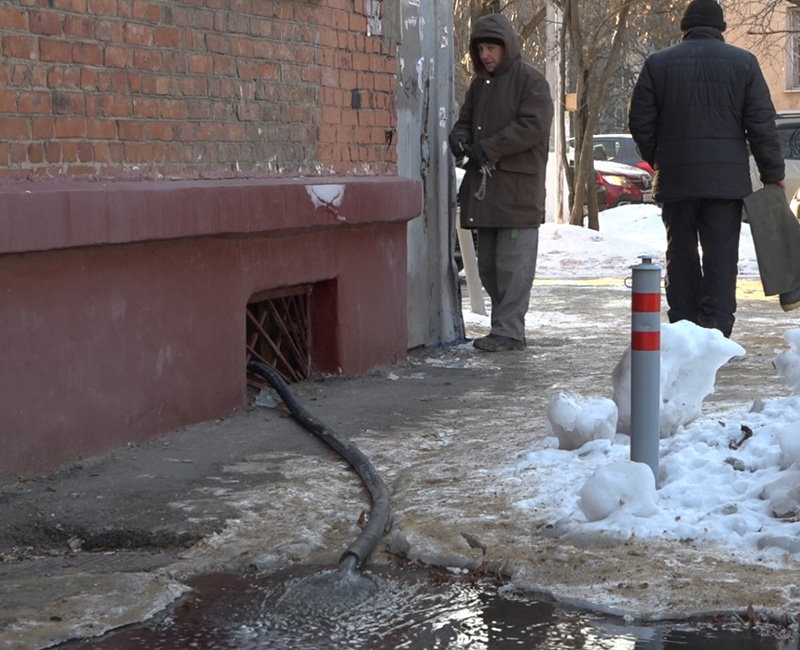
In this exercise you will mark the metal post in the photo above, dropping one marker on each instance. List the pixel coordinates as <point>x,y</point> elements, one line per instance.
<point>646,363</point>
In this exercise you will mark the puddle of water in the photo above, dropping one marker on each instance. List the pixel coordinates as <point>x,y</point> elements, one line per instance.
<point>409,611</point>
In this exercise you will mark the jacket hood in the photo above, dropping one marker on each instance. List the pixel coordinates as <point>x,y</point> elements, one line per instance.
<point>495,27</point>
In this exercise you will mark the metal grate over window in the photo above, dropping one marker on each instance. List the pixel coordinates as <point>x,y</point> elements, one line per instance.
<point>278,333</point>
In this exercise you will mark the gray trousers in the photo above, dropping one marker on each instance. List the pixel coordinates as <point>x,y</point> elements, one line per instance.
<point>507,265</point>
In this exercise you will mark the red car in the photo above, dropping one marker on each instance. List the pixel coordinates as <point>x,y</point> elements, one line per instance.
<point>624,184</point>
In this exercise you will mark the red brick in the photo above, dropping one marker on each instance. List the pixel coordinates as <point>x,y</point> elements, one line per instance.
<point>92,106</point>
<point>109,31</point>
<point>119,57</point>
<point>35,153</point>
<point>15,128</point>
<point>43,128</point>
<point>52,151</point>
<point>348,80</point>
<point>35,102</point>
<point>85,152</point>
<point>201,64</point>
<point>160,131</point>
<point>100,152</point>
<point>173,109</point>
<point>234,133</point>
<point>327,37</point>
<point>19,47</point>
<point>102,129</point>
<point>218,43</point>
<point>18,153</point>
<point>12,18</point>
<point>116,106</point>
<point>69,152</point>
<point>70,127</point>
<point>138,34</point>
<point>102,7</point>
<point>360,61</point>
<point>131,130</point>
<point>103,81</point>
<point>147,60</point>
<point>224,66</point>
<point>8,101</point>
<point>150,12</point>
<point>45,22</point>
<point>167,37</point>
<point>87,54</point>
<point>146,107</point>
<point>124,9</point>
<point>242,47</point>
<point>68,103</point>
<point>116,152</point>
<point>81,26</point>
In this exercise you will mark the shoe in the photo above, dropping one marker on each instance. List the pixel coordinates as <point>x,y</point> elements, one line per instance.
<point>495,343</point>
<point>790,300</point>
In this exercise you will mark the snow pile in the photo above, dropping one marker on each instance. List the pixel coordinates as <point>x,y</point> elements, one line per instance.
<point>619,486</point>
<point>690,359</point>
<point>733,480</point>
<point>788,363</point>
<point>576,420</point>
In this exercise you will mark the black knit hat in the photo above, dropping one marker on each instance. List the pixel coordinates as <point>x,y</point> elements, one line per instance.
<point>703,13</point>
<point>489,39</point>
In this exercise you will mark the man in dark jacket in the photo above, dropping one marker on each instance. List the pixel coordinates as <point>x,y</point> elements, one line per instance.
<point>695,107</point>
<point>504,130</point>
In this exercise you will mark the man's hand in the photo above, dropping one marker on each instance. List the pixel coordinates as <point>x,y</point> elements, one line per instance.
<point>461,145</point>
<point>479,156</point>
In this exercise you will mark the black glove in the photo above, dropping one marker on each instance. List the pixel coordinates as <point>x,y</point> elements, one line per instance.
<point>460,145</point>
<point>479,156</point>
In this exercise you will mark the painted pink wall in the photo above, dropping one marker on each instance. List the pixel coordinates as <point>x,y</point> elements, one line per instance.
<point>122,305</point>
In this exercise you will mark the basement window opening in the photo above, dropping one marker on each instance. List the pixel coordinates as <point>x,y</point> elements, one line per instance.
<point>278,333</point>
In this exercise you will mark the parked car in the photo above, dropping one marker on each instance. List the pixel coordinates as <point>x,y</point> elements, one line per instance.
<point>602,204</point>
<point>624,184</point>
<point>618,148</point>
<point>788,125</point>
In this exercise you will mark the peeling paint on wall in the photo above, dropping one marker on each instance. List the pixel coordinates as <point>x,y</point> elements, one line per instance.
<point>327,197</point>
<point>446,41</point>
<point>372,9</point>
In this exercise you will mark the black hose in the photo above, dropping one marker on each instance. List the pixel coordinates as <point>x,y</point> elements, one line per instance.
<point>380,512</point>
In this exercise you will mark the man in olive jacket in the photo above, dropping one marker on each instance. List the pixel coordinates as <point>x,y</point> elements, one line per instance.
<point>694,109</point>
<point>504,130</point>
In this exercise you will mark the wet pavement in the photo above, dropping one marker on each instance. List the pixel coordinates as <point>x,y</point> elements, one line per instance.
<point>111,541</point>
<point>412,610</point>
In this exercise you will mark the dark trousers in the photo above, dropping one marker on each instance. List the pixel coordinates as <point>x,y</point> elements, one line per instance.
<point>701,284</point>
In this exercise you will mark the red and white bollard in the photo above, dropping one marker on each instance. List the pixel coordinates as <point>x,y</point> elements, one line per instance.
<point>646,363</point>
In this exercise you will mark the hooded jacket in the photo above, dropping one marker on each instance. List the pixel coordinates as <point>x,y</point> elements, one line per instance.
<point>694,109</point>
<point>510,113</point>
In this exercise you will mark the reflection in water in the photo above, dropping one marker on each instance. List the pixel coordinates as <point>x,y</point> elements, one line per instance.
<point>409,611</point>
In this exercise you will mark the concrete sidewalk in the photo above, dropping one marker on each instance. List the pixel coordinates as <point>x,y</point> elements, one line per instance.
<point>110,541</point>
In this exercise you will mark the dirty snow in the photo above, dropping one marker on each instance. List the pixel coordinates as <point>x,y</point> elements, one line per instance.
<point>739,487</point>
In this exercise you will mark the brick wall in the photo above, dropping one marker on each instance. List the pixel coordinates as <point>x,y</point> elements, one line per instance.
<point>194,89</point>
